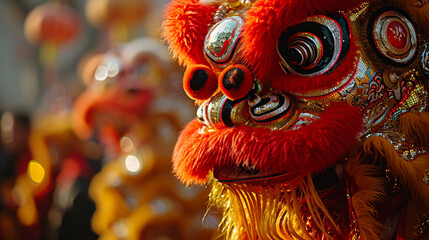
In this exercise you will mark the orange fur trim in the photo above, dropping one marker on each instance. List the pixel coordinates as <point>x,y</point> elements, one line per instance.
<point>185,27</point>
<point>197,153</point>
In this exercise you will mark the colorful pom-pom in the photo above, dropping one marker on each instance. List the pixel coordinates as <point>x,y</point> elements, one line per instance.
<point>236,81</point>
<point>199,82</point>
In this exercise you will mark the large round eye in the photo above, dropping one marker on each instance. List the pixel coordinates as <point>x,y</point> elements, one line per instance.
<point>393,36</point>
<point>314,46</point>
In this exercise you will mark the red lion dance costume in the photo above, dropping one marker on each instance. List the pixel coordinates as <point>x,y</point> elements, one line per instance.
<point>312,119</point>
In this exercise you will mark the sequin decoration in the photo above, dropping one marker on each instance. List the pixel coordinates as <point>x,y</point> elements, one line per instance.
<point>425,59</point>
<point>426,177</point>
<point>269,109</point>
<point>416,102</point>
<point>304,119</point>
<point>422,227</point>
<point>394,37</point>
<point>220,112</point>
<point>222,41</point>
<point>228,6</point>
<point>393,182</point>
<point>421,3</point>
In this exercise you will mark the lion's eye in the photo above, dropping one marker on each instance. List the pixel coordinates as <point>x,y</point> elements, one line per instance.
<point>314,46</point>
<point>393,36</point>
<point>305,50</point>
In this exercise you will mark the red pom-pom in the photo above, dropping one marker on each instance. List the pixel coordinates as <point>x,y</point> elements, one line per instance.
<point>236,81</point>
<point>199,82</point>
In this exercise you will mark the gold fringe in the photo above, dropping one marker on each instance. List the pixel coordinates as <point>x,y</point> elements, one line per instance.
<point>269,212</point>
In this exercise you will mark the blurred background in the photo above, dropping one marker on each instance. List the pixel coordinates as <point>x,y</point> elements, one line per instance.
<point>91,105</point>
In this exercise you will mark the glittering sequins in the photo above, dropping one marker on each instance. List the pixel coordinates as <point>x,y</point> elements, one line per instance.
<point>222,40</point>
<point>393,182</point>
<point>425,59</point>
<point>421,3</point>
<point>422,227</point>
<point>220,112</point>
<point>416,102</point>
<point>426,177</point>
<point>271,108</point>
<point>231,6</point>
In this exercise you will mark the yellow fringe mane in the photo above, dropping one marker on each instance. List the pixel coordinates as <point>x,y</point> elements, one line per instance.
<point>270,211</point>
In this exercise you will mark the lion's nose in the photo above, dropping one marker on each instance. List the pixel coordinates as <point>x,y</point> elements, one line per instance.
<point>199,82</point>
<point>229,107</point>
<point>236,81</point>
<point>238,101</point>
<point>220,111</point>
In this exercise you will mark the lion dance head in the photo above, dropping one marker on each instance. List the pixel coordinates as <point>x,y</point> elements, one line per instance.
<point>312,119</point>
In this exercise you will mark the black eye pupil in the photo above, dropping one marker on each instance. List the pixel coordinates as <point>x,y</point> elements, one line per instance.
<point>233,78</point>
<point>294,56</point>
<point>303,52</point>
<point>198,80</point>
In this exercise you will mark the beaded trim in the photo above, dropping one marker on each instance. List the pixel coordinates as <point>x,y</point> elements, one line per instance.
<point>228,6</point>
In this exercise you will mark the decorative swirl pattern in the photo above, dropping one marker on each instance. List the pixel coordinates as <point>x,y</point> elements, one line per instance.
<point>269,109</point>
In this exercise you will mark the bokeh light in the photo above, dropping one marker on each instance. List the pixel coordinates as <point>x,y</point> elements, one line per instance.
<point>36,172</point>
<point>133,164</point>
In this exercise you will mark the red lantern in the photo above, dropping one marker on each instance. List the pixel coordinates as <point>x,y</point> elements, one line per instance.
<point>52,23</point>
